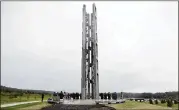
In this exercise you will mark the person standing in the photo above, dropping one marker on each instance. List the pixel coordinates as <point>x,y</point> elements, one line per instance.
<point>42,97</point>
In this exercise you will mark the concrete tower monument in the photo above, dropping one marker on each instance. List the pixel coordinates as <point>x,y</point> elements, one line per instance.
<point>89,64</point>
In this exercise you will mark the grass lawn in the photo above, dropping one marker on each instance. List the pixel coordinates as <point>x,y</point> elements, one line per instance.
<point>7,98</point>
<point>139,105</point>
<point>30,106</point>
<point>175,106</point>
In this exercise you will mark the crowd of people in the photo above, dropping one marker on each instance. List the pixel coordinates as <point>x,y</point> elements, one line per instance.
<point>65,95</point>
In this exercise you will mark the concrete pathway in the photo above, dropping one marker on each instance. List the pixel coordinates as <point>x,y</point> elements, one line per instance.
<point>80,102</point>
<point>17,103</point>
<point>90,101</point>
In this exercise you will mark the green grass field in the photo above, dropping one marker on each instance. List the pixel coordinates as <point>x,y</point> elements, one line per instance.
<point>175,106</point>
<point>31,106</point>
<point>141,105</point>
<point>126,105</point>
<point>10,98</point>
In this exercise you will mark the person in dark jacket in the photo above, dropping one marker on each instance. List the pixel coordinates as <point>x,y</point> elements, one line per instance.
<point>42,97</point>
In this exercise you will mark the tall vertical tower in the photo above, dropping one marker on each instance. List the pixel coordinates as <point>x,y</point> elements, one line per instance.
<point>89,64</point>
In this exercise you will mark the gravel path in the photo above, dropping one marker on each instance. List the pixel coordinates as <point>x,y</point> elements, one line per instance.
<point>78,107</point>
<point>17,103</point>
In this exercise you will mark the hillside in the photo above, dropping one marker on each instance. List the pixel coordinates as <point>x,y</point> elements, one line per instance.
<point>10,89</point>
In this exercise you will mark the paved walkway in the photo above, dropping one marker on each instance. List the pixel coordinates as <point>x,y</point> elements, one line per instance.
<point>90,102</point>
<point>80,102</point>
<point>17,103</point>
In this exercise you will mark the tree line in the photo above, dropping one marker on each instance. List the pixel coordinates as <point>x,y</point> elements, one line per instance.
<point>22,91</point>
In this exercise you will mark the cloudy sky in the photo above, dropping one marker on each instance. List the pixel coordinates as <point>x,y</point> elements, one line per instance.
<point>138,45</point>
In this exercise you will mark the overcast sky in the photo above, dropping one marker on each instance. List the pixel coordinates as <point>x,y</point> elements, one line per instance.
<point>41,44</point>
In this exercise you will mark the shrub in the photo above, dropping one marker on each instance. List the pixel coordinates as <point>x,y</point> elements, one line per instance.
<point>169,103</point>
<point>163,101</point>
<point>15,95</point>
<point>10,97</point>
<point>156,101</point>
<point>150,101</point>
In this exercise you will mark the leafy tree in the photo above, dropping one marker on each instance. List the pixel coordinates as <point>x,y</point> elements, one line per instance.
<point>146,95</point>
